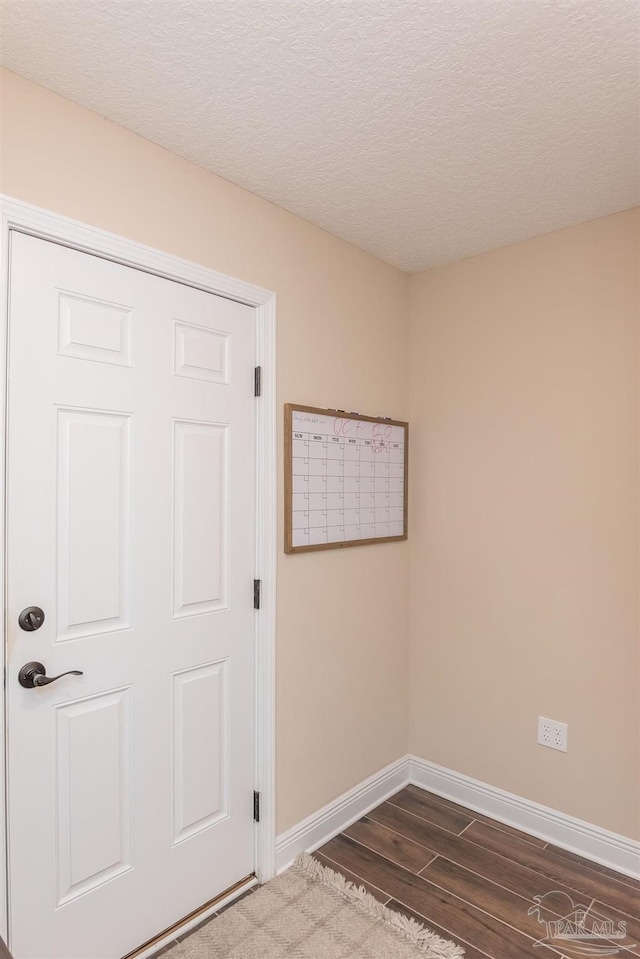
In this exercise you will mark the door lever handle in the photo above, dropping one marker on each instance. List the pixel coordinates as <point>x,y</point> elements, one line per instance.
<point>35,674</point>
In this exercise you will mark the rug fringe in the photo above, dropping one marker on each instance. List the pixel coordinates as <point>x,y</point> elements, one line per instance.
<point>414,931</point>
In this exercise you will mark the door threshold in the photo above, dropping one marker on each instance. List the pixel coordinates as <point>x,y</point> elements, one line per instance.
<point>169,936</point>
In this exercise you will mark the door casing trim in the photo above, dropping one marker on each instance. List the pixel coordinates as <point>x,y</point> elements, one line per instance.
<point>16,215</point>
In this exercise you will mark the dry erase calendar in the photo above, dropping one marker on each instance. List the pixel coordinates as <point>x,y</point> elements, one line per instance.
<point>345,479</point>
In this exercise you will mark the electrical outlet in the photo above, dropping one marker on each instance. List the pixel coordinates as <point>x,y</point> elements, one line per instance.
<point>553,734</point>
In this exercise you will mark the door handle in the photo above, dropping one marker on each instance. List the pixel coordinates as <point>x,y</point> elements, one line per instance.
<point>35,674</point>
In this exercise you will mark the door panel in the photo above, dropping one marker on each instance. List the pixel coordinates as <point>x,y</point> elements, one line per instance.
<point>93,786</point>
<point>94,330</point>
<point>93,573</point>
<point>201,509</point>
<point>201,354</point>
<point>131,523</point>
<point>201,757</point>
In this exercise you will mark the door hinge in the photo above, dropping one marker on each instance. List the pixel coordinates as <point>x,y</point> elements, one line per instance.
<point>257,585</point>
<point>256,806</point>
<point>257,381</point>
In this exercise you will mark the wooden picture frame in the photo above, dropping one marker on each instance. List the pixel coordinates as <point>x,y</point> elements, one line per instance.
<point>381,439</point>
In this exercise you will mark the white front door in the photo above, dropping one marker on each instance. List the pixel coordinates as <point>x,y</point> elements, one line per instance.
<point>131,525</point>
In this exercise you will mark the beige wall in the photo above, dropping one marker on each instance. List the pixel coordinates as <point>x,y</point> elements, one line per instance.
<point>342,615</point>
<point>524,518</point>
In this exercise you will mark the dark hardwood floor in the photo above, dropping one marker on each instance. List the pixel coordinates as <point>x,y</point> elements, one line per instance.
<point>473,880</point>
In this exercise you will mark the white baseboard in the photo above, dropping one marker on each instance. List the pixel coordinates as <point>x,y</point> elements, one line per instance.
<point>583,838</point>
<point>327,822</point>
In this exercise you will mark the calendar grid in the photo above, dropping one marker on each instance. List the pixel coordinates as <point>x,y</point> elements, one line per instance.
<point>345,479</point>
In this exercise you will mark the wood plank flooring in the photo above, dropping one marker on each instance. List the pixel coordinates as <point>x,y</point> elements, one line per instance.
<point>474,880</point>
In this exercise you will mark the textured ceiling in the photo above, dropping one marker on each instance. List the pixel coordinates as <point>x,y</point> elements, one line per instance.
<point>423,131</point>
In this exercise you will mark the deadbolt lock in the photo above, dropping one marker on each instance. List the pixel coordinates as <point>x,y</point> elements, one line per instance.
<point>31,618</point>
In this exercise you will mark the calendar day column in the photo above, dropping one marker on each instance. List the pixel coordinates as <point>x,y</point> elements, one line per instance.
<point>318,531</point>
<point>366,477</point>
<point>351,488</point>
<point>396,486</point>
<point>382,494</point>
<point>335,488</point>
<point>300,491</point>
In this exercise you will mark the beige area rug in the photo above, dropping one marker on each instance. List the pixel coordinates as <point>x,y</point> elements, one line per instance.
<point>311,912</point>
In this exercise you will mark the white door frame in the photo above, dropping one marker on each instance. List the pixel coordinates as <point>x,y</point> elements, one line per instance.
<point>23,217</point>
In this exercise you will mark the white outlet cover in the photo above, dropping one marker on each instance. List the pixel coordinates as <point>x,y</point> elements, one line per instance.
<point>552,733</point>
